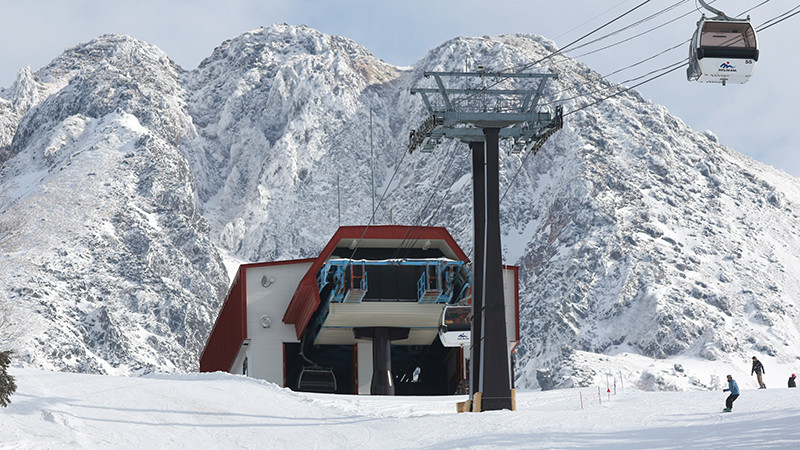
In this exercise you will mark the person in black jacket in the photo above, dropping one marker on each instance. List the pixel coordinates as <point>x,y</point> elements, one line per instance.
<point>758,369</point>
<point>791,381</point>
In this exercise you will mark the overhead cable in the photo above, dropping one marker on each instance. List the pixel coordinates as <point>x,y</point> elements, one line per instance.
<point>418,219</point>
<point>383,196</point>
<point>634,24</point>
<point>774,20</point>
<point>563,49</point>
<point>584,23</point>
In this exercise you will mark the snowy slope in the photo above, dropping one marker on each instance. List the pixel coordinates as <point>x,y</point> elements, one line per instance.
<point>58,410</point>
<point>108,254</point>
<point>125,179</point>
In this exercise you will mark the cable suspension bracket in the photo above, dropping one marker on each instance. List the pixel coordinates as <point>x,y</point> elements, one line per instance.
<point>719,14</point>
<point>461,113</point>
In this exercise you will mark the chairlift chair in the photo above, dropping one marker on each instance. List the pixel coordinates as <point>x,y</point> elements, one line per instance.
<point>722,50</point>
<point>313,377</point>
<point>316,378</point>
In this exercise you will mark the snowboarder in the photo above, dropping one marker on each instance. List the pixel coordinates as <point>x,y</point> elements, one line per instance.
<point>791,381</point>
<point>758,369</point>
<point>734,389</point>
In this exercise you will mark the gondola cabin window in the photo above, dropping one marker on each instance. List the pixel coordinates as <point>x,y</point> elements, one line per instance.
<point>727,35</point>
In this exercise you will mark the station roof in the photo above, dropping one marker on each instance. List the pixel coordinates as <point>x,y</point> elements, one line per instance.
<point>368,242</point>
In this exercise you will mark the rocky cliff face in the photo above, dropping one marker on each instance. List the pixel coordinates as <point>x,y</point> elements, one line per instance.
<point>281,113</point>
<point>126,177</point>
<point>107,251</point>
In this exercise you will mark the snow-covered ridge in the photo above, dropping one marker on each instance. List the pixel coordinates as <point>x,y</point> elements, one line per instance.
<point>126,177</point>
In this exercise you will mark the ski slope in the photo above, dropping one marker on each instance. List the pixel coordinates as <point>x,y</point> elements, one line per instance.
<point>65,410</point>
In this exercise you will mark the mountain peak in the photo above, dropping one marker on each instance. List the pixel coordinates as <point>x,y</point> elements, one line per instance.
<point>109,51</point>
<point>633,233</point>
<point>263,46</point>
<point>111,73</point>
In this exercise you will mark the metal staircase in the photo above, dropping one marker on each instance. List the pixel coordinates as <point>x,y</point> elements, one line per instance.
<point>358,284</point>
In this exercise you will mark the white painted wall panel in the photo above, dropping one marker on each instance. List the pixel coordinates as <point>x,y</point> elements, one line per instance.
<point>265,353</point>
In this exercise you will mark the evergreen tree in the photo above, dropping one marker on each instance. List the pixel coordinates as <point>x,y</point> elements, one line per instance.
<point>7,385</point>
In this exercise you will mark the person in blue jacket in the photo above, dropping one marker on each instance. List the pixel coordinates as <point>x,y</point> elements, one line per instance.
<point>734,390</point>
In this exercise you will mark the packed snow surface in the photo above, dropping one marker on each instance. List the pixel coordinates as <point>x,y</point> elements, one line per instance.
<point>218,410</point>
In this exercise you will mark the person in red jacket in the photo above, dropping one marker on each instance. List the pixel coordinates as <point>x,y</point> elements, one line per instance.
<point>758,369</point>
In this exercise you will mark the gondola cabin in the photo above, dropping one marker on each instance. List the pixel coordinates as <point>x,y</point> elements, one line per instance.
<point>456,326</point>
<point>722,51</point>
<point>388,300</point>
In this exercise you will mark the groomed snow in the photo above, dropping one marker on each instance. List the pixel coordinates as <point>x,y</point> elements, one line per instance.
<point>65,410</point>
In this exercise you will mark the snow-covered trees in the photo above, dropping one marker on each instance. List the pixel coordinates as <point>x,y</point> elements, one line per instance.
<point>7,384</point>
<point>11,328</point>
<point>7,225</point>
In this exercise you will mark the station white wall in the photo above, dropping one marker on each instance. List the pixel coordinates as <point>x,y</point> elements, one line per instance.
<point>510,301</point>
<point>264,352</point>
<point>364,367</point>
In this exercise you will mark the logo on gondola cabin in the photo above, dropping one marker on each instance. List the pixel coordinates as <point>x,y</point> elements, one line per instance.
<point>462,336</point>
<point>727,67</point>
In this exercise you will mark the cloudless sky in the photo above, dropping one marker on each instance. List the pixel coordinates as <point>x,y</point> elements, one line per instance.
<point>757,118</point>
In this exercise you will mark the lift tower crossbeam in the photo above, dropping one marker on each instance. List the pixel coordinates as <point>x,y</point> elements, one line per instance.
<point>480,117</point>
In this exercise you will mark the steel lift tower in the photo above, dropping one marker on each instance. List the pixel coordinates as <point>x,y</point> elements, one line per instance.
<point>481,116</point>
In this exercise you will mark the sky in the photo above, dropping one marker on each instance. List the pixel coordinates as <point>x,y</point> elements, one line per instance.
<point>217,410</point>
<point>755,118</point>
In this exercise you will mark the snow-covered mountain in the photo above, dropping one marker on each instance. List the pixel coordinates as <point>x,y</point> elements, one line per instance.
<point>106,251</point>
<point>126,178</point>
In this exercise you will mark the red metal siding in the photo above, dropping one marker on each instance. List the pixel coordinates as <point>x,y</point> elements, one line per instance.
<point>229,331</point>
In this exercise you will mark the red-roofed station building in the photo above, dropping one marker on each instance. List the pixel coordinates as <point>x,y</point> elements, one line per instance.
<point>382,310</point>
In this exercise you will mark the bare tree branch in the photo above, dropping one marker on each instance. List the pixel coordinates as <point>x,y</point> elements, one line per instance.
<point>13,324</point>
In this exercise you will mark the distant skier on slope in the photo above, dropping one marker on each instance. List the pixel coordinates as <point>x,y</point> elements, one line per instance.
<point>758,368</point>
<point>791,381</point>
<point>734,389</point>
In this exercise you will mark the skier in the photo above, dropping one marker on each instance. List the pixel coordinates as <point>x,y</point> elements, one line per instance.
<point>734,389</point>
<point>758,368</point>
<point>791,381</point>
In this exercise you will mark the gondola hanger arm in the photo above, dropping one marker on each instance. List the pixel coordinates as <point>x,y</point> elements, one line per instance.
<point>720,14</point>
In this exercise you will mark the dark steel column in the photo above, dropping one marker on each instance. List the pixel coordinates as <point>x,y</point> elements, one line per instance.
<point>479,217</point>
<point>382,382</point>
<point>381,337</point>
<point>495,385</point>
